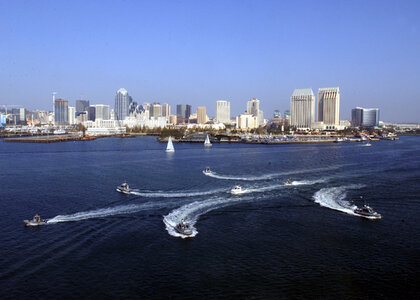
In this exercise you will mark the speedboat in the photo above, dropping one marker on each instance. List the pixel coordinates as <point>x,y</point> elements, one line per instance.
<point>183,228</point>
<point>367,211</point>
<point>237,190</point>
<point>36,221</point>
<point>288,182</point>
<point>207,170</point>
<point>124,188</point>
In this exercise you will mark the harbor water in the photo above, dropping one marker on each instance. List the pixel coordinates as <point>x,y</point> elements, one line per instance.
<point>301,240</point>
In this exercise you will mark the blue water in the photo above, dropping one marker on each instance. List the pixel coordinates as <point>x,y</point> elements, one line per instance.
<point>274,241</point>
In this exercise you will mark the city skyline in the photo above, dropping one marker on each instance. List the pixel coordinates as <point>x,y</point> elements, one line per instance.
<point>200,52</point>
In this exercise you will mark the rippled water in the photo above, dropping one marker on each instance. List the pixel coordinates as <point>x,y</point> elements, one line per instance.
<point>274,241</point>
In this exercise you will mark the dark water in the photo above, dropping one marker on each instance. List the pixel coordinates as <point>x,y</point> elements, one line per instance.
<point>275,241</point>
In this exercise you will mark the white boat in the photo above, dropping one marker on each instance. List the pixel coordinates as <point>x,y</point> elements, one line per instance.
<point>183,228</point>
<point>36,221</point>
<point>237,190</point>
<point>207,170</point>
<point>124,188</point>
<point>207,142</point>
<point>288,182</point>
<point>368,144</point>
<point>367,211</point>
<point>170,146</point>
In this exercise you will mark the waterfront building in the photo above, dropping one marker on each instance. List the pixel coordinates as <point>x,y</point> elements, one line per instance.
<point>253,108</point>
<point>92,113</point>
<point>155,110</point>
<point>82,105</point>
<point>223,111</point>
<point>201,115</point>
<point>302,108</point>
<point>101,112</point>
<point>82,117</point>
<point>122,103</point>
<point>329,106</point>
<point>72,115</point>
<point>172,119</point>
<point>365,117</point>
<point>166,110</point>
<point>61,112</point>
<point>246,121</point>
<point>183,111</point>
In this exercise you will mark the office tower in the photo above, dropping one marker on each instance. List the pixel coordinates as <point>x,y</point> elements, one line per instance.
<point>246,121</point>
<point>22,115</point>
<point>329,106</point>
<point>183,111</point>
<point>101,112</point>
<point>302,108</point>
<point>155,110</point>
<point>61,109</point>
<point>222,111</point>
<point>91,113</point>
<point>253,106</point>
<point>72,115</point>
<point>166,110</point>
<point>364,117</point>
<point>277,114</point>
<point>122,102</point>
<point>287,114</point>
<point>201,115</point>
<point>82,105</point>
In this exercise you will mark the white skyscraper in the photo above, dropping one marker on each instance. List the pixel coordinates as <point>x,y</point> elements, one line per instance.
<point>166,110</point>
<point>222,111</point>
<point>302,108</point>
<point>253,108</point>
<point>122,102</point>
<point>329,106</point>
<point>102,111</point>
<point>72,115</point>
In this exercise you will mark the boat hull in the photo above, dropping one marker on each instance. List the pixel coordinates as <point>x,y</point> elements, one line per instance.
<point>30,223</point>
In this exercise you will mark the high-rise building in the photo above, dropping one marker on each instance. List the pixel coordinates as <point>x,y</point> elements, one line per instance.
<point>183,111</point>
<point>329,106</point>
<point>302,108</point>
<point>364,117</point>
<point>122,102</point>
<point>253,106</point>
<point>277,114</point>
<point>201,115</point>
<point>82,105</point>
<point>246,121</point>
<point>166,110</point>
<point>72,115</point>
<point>92,113</point>
<point>61,112</point>
<point>101,112</point>
<point>222,111</point>
<point>155,110</point>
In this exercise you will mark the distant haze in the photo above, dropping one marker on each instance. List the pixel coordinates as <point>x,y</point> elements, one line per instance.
<point>197,52</point>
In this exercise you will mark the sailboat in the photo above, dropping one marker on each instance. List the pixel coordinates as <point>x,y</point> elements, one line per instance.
<point>170,146</point>
<point>207,142</point>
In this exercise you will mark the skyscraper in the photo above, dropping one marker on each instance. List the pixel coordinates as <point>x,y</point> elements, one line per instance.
<point>302,108</point>
<point>82,105</point>
<point>122,102</point>
<point>183,111</point>
<point>166,110</point>
<point>364,117</point>
<point>222,111</point>
<point>61,109</point>
<point>101,112</point>
<point>253,108</point>
<point>92,113</point>
<point>329,106</point>
<point>72,115</point>
<point>155,110</point>
<point>201,115</point>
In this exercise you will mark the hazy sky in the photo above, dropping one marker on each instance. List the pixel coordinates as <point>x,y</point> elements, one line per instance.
<point>197,52</point>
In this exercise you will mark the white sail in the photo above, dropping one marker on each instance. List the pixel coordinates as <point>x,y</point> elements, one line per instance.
<point>170,146</point>
<point>207,141</point>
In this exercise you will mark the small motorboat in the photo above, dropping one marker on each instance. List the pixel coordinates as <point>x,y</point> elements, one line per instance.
<point>367,211</point>
<point>237,190</point>
<point>124,188</point>
<point>183,228</point>
<point>207,170</point>
<point>36,221</point>
<point>288,182</point>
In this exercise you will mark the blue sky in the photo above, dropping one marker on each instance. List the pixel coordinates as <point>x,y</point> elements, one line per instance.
<point>197,52</point>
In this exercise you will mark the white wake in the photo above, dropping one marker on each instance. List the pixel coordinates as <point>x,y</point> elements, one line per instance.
<point>163,194</point>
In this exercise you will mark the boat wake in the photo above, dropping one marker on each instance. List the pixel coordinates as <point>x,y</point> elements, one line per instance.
<point>269,176</point>
<point>192,211</point>
<point>163,194</point>
<point>103,212</point>
<point>335,198</point>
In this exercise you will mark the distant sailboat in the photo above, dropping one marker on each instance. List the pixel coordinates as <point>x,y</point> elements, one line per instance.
<point>170,146</point>
<point>207,142</point>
